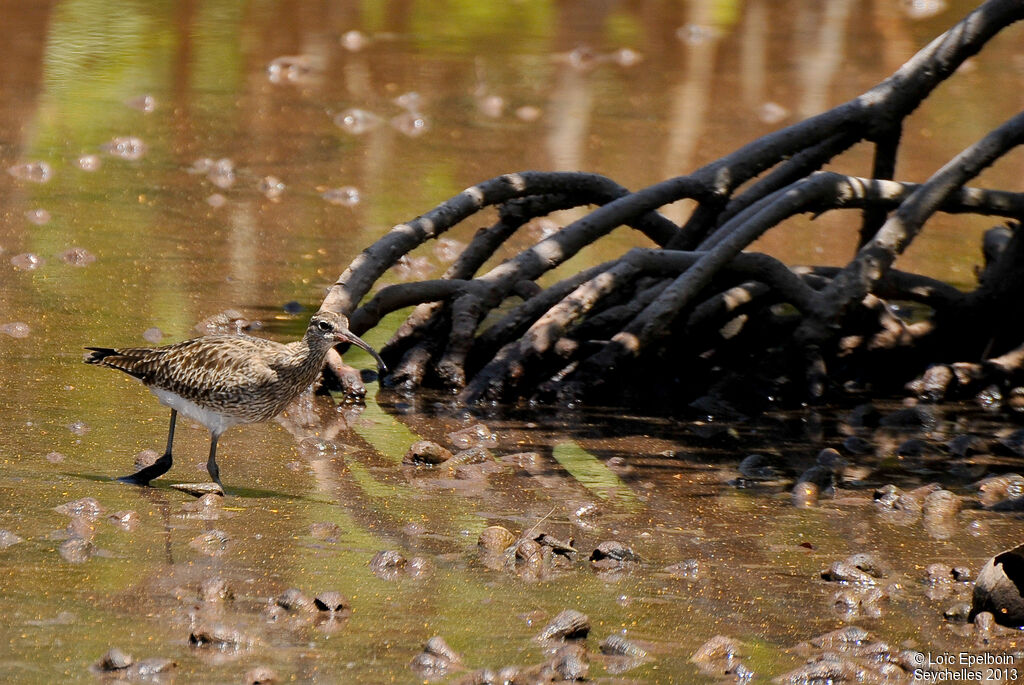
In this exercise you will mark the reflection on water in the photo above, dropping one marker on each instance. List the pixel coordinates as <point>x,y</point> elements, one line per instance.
<point>169,161</point>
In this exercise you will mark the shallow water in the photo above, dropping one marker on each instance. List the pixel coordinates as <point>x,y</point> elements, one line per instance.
<point>174,242</point>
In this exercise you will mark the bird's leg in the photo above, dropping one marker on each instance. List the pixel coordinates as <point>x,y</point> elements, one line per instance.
<point>158,467</point>
<point>211,463</point>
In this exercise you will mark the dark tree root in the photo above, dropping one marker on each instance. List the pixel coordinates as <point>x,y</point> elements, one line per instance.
<point>662,321</point>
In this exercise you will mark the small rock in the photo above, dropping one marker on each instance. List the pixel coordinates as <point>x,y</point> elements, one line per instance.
<point>958,613</point>
<point>844,572</point>
<point>86,506</point>
<point>76,550</point>
<point>326,531</point>
<point>477,435</point>
<point>261,675</point>
<point>213,543</point>
<point>426,452</point>
<point>7,538</point>
<point>840,639</point>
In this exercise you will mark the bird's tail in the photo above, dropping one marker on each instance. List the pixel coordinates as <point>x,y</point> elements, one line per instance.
<point>98,354</point>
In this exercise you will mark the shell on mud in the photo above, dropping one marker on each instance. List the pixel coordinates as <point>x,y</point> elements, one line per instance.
<point>717,656</point>
<point>845,572</point>
<point>218,636</point>
<point>215,589</point>
<point>426,452</point>
<point>570,662</point>
<point>472,455</point>
<point>567,625</point>
<point>436,659</point>
<point>388,564</point>
<point>940,504</point>
<point>213,543</point>
<point>76,550</point>
<point>612,554</point>
<point>114,660</point>
<point>331,601</point>
<point>430,666</point>
<point>495,539</point>
<point>293,599</point>
<point>439,647</point>
<point>998,588</point>
<point>841,638</point>
<point>617,645</point>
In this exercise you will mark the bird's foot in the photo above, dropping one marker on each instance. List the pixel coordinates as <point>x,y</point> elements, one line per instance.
<point>154,470</point>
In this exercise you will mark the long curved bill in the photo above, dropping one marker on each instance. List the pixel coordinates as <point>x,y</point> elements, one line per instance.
<point>350,337</point>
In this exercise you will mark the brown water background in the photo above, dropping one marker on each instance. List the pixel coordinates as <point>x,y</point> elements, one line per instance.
<point>501,87</point>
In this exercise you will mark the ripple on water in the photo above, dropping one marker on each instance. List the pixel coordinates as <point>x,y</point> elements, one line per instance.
<point>38,216</point>
<point>77,256</point>
<point>130,148</point>
<point>345,196</point>
<point>89,162</point>
<point>36,172</point>
<point>356,121</point>
<point>16,329</point>
<point>27,261</point>
<point>153,335</point>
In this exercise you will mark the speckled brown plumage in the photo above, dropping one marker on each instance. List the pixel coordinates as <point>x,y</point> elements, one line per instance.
<point>224,380</point>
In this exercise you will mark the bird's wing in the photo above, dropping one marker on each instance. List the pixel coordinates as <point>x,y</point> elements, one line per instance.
<point>198,369</point>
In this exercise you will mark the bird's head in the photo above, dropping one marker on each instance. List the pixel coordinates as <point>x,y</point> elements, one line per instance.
<point>330,329</point>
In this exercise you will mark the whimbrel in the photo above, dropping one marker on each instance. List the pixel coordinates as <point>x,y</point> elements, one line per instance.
<point>225,380</point>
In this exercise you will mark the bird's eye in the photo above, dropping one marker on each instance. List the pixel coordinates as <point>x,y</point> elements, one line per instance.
<point>324,326</point>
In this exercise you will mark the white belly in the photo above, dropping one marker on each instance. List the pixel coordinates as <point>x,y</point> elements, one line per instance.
<point>214,421</point>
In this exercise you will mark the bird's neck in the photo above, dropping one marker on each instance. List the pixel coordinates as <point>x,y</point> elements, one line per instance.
<point>307,357</point>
